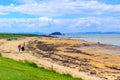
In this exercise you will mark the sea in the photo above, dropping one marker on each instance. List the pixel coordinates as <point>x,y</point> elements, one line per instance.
<point>112,39</point>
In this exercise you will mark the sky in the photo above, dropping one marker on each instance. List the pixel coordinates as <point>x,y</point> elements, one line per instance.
<point>66,16</point>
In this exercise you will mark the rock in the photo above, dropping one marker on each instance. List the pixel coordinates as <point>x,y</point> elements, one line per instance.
<point>118,78</point>
<point>56,33</point>
<point>93,72</point>
<point>114,67</point>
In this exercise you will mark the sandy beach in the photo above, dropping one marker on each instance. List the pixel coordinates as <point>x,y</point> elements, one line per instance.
<point>88,60</point>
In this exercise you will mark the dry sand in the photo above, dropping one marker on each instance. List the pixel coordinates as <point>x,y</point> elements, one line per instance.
<point>78,58</point>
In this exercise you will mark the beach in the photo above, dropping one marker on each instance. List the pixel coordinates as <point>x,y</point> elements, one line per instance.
<point>88,60</point>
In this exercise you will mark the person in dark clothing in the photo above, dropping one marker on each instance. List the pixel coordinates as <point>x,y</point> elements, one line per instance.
<point>22,48</point>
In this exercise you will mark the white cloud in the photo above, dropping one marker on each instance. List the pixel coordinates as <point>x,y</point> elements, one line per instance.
<point>25,1</point>
<point>61,7</point>
<point>53,8</point>
<point>1,13</point>
<point>45,24</point>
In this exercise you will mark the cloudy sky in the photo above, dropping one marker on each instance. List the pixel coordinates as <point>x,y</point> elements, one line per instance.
<point>66,16</point>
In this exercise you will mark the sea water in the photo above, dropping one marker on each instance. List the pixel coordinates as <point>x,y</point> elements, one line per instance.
<point>113,39</point>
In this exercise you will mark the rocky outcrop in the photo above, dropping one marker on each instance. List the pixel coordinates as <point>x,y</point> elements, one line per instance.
<point>56,33</point>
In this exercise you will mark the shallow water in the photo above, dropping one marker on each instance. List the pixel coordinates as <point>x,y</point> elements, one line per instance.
<point>113,39</point>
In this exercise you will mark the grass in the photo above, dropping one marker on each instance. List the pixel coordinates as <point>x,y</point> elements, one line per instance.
<point>15,70</point>
<point>10,36</point>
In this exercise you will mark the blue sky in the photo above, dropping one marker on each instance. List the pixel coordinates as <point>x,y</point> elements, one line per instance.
<point>66,16</point>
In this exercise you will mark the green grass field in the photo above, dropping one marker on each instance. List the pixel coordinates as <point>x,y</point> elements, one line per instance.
<point>15,70</point>
<point>7,36</point>
<point>10,36</point>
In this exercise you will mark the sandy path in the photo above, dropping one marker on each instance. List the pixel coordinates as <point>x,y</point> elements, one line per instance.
<point>9,49</point>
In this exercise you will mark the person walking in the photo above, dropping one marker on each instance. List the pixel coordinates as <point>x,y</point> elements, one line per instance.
<point>23,47</point>
<point>19,48</point>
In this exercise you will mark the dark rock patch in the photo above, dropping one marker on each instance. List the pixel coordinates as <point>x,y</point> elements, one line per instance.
<point>93,72</point>
<point>46,47</point>
<point>113,67</point>
<point>72,50</point>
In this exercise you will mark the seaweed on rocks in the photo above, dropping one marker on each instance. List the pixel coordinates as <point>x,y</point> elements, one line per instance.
<point>72,50</point>
<point>46,47</point>
<point>113,67</point>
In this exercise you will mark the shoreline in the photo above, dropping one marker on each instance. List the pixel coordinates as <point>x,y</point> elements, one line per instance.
<point>88,38</point>
<point>95,43</point>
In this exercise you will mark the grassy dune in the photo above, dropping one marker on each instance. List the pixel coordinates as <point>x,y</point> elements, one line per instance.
<point>14,70</point>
